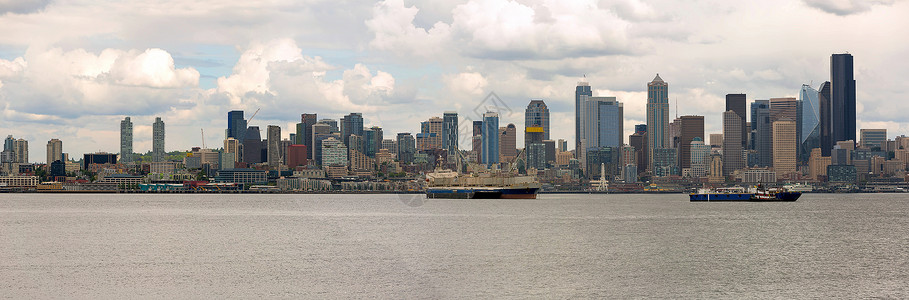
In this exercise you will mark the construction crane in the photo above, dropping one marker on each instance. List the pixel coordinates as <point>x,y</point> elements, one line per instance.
<point>253,116</point>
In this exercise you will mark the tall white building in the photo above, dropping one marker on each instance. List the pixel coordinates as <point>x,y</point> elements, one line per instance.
<point>334,153</point>
<point>158,140</point>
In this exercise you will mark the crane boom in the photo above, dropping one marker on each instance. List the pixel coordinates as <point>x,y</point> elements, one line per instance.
<point>253,116</point>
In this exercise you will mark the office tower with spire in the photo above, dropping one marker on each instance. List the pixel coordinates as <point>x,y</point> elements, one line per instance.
<point>158,140</point>
<point>126,141</point>
<point>842,93</point>
<point>657,116</point>
<point>54,151</point>
<point>582,90</point>
<point>537,115</point>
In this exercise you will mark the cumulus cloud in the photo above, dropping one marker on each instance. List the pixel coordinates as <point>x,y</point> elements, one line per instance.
<point>846,7</point>
<point>505,30</point>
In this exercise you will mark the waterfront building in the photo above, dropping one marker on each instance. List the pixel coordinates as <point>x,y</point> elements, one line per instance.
<point>657,115</point>
<point>537,115</point>
<point>54,151</point>
<point>126,141</point>
<point>732,143</point>
<point>490,139</point>
<point>784,147</point>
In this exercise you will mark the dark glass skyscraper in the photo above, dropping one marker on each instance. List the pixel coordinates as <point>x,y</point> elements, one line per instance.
<point>450,133</point>
<point>537,115</point>
<point>736,103</point>
<point>761,132</point>
<point>823,97</point>
<point>842,92</point>
<point>236,125</point>
<point>582,89</point>
<point>351,124</point>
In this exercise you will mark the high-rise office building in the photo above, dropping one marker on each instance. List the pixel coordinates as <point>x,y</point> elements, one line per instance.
<point>784,109</point>
<point>690,127</point>
<point>537,115</point>
<point>432,133</point>
<point>873,137</point>
<point>320,132</point>
<point>334,153</point>
<point>20,148</point>
<point>450,133</point>
<point>583,89</point>
<point>252,146</point>
<point>477,141</point>
<point>826,119</point>
<point>54,151</point>
<point>232,146</point>
<point>761,136</point>
<point>699,157</point>
<point>236,125</point>
<point>407,147</point>
<point>638,140</point>
<point>533,145</point>
<point>351,124</point>
<point>657,116</point>
<point>275,153</point>
<point>490,139</point>
<point>810,129</point>
<point>158,140</point>
<point>126,141</point>
<point>372,140</point>
<point>842,93</point>
<point>736,103</point>
<point>602,122</point>
<point>784,146</point>
<point>508,143</point>
<point>332,125</point>
<point>732,143</point>
<point>304,130</point>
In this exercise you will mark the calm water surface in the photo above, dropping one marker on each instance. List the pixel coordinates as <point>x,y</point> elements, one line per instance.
<point>389,246</point>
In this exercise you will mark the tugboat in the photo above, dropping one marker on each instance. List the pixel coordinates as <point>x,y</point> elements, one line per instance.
<point>758,194</point>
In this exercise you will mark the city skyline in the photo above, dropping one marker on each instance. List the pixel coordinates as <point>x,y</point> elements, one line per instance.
<point>400,59</point>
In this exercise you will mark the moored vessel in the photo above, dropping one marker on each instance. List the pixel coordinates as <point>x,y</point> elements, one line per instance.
<point>742,194</point>
<point>451,185</point>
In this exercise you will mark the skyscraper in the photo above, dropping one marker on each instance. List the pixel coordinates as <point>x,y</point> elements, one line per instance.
<point>490,140</point>
<point>252,145</point>
<point>158,140</point>
<point>477,141</point>
<point>304,130</point>
<point>275,153</point>
<point>842,93</point>
<point>602,122</point>
<point>732,143</point>
<point>583,89</point>
<point>784,146</point>
<point>657,115</point>
<point>232,146</point>
<point>783,109</point>
<point>691,127</point>
<point>537,115</point>
<point>351,124</point>
<point>736,103</point>
<point>700,154</point>
<point>761,132</point>
<point>236,125</point>
<point>508,143</point>
<point>126,141</point>
<point>810,129</point>
<point>450,133</point>
<point>638,140</point>
<point>826,119</point>
<point>54,151</point>
<point>407,147</point>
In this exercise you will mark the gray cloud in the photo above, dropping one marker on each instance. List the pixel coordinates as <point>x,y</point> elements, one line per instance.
<point>22,6</point>
<point>846,7</point>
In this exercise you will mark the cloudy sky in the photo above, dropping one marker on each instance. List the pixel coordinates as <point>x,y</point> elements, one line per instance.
<point>72,69</point>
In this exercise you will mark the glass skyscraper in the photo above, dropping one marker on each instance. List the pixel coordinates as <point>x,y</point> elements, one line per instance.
<point>761,133</point>
<point>583,89</point>
<point>657,115</point>
<point>490,139</point>
<point>450,133</point>
<point>842,92</point>
<point>810,136</point>
<point>236,125</point>
<point>126,141</point>
<point>537,115</point>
